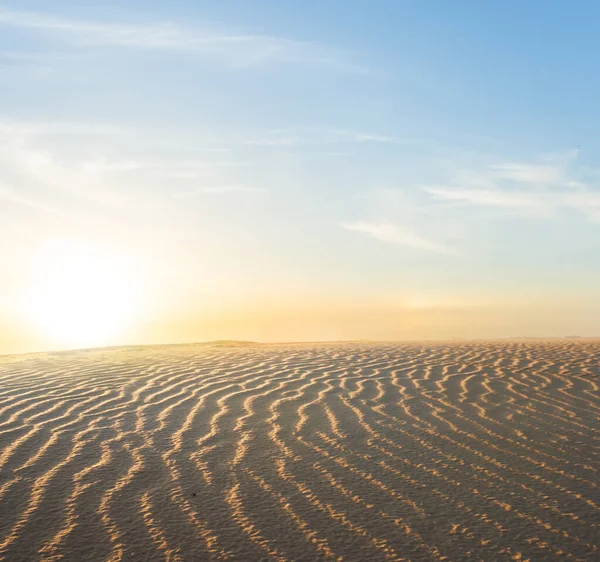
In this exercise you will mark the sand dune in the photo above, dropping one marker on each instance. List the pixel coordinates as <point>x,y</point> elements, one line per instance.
<point>365,452</point>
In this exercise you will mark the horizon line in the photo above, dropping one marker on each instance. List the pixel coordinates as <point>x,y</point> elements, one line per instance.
<point>241,343</point>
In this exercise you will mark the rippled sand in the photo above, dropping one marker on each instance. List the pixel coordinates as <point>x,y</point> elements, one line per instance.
<point>467,451</point>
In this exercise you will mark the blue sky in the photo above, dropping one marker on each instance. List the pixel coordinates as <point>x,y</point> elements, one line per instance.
<point>399,169</point>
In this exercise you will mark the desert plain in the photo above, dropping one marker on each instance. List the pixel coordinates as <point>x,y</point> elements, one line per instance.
<point>459,451</point>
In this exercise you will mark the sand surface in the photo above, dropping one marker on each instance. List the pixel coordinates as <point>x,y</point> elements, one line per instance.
<point>465,451</point>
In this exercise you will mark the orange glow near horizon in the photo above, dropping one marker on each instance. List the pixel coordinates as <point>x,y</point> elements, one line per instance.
<point>94,292</point>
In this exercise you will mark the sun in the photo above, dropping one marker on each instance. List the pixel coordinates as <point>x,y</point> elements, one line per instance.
<point>80,294</point>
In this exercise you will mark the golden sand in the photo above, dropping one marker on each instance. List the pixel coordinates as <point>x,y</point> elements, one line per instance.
<point>365,452</point>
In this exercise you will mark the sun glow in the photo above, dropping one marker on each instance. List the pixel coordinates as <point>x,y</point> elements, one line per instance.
<point>80,295</point>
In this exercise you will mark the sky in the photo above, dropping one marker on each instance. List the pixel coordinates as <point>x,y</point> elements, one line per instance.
<point>177,171</point>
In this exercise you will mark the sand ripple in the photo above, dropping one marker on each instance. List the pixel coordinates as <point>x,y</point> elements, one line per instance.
<point>365,452</point>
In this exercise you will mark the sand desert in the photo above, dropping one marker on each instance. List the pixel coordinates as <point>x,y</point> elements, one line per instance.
<point>474,450</point>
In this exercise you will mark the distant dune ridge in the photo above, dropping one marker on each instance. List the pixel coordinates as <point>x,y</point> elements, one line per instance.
<point>353,451</point>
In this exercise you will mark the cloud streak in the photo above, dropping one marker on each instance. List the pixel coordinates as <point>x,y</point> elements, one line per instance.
<point>235,48</point>
<point>10,195</point>
<point>489,197</point>
<point>317,135</point>
<point>393,234</point>
<point>528,173</point>
<point>220,190</point>
<point>525,189</point>
<point>545,189</point>
<point>50,167</point>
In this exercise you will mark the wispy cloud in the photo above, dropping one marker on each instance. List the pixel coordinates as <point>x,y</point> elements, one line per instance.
<point>393,234</point>
<point>449,211</point>
<point>545,204</point>
<point>488,197</point>
<point>19,128</point>
<point>219,190</point>
<point>46,166</point>
<point>46,171</point>
<point>524,188</point>
<point>528,173</point>
<point>10,195</point>
<point>337,135</point>
<point>235,48</point>
<point>275,141</point>
<point>317,135</point>
<point>37,172</point>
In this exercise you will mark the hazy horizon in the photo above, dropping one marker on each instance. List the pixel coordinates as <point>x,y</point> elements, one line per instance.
<point>183,171</point>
